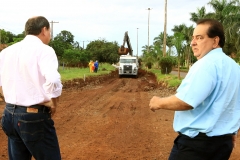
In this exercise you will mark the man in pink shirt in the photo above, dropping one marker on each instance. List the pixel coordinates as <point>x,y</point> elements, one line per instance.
<point>31,85</point>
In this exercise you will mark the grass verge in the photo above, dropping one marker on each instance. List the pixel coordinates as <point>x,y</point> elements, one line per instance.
<point>170,80</point>
<point>72,73</point>
<point>105,68</point>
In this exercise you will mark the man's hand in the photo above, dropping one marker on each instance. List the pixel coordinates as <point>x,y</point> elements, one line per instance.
<point>1,94</point>
<point>170,103</point>
<point>154,103</point>
<point>52,105</point>
<point>234,139</point>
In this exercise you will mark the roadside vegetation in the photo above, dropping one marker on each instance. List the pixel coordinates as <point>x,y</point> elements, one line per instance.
<point>105,68</point>
<point>167,79</point>
<point>178,44</point>
<point>75,72</point>
<point>72,54</point>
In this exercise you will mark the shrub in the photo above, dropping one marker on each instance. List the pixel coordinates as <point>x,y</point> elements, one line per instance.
<point>149,65</point>
<point>166,64</point>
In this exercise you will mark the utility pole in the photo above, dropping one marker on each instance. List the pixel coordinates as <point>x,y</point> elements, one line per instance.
<point>165,30</point>
<point>52,28</point>
<point>148,27</point>
<point>83,43</point>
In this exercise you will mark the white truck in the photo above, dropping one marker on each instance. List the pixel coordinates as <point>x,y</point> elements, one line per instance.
<point>128,64</point>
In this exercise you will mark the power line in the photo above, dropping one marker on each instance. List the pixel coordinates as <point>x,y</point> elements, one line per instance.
<point>10,30</point>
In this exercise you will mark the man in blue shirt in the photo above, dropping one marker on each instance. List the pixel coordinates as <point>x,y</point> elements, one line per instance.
<point>207,103</point>
<point>96,66</point>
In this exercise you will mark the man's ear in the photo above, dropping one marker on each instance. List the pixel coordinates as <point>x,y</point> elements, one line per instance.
<point>216,42</point>
<point>44,30</point>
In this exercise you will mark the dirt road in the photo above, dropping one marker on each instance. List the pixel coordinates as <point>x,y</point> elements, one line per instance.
<point>107,118</point>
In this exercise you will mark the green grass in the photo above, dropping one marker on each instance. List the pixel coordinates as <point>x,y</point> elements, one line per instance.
<point>71,73</point>
<point>171,80</point>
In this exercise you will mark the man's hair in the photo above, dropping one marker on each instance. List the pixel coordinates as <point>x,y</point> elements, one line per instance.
<point>34,25</point>
<point>215,29</point>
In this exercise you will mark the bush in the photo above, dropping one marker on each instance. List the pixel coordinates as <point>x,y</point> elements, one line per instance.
<point>166,64</point>
<point>149,65</point>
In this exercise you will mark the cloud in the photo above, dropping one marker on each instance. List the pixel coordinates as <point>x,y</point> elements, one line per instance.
<point>89,20</point>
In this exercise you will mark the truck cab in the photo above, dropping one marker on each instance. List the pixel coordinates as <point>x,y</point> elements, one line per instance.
<point>128,65</point>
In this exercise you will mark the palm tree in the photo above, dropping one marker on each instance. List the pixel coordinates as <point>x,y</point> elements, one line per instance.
<point>178,40</point>
<point>228,14</point>
<point>169,45</point>
<point>149,57</point>
<point>145,49</point>
<point>187,33</point>
<point>201,13</point>
<point>221,8</point>
<point>158,41</point>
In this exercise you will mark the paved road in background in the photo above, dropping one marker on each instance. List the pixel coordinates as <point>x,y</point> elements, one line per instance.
<point>182,74</point>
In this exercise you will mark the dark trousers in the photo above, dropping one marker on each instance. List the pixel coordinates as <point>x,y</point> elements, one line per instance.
<point>95,69</point>
<point>30,134</point>
<point>201,148</point>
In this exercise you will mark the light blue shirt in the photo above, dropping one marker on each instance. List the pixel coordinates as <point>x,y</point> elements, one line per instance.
<point>212,88</point>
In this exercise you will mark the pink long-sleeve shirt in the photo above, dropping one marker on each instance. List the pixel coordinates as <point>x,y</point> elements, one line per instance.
<point>28,72</point>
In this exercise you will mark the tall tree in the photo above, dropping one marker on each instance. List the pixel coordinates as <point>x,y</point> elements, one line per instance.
<point>158,41</point>
<point>64,40</point>
<point>103,51</point>
<point>187,33</point>
<point>201,13</point>
<point>227,12</point>
<point>4,36</point>
<point>178,40</point>
<point>65,36</point>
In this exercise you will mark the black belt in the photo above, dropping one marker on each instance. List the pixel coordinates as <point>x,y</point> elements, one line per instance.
<point>37,108</point>
<point>200,134</point>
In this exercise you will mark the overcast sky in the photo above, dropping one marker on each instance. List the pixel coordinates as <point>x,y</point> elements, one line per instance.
<point>90,20</point>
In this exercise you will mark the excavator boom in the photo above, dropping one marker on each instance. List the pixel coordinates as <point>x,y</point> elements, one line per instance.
<point>124,51</point>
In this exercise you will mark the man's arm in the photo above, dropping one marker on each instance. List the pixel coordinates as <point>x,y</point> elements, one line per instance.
<point>234,139</point>
<point>52,104</point>
<point>1,93</point>
<point>168,103</point>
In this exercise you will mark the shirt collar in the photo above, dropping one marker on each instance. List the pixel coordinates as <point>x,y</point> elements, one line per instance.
<point>32,38</point>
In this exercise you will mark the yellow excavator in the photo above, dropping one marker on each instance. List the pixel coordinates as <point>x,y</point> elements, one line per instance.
<point>124,51</point>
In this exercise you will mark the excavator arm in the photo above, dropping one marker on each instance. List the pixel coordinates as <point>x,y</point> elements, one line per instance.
<point>124,51</point>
